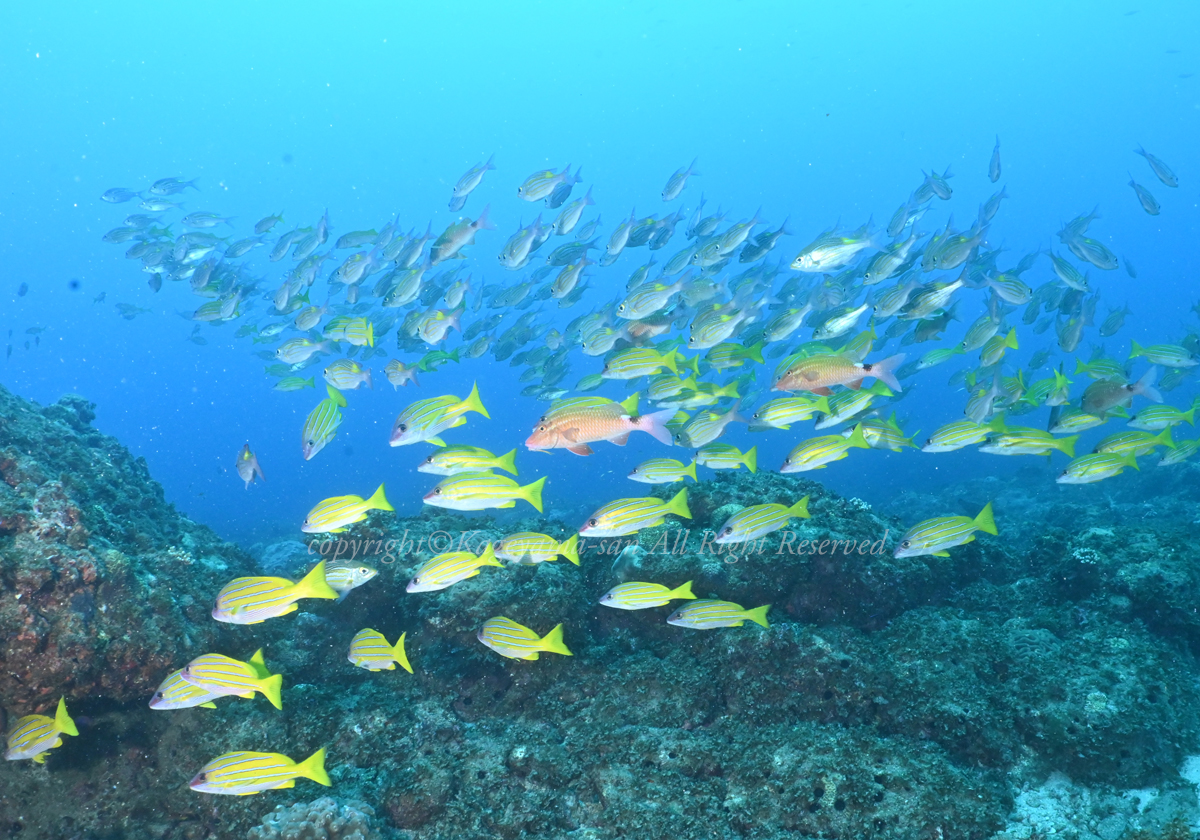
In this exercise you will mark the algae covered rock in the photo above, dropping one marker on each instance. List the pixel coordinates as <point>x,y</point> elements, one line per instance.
<point>103,586</point>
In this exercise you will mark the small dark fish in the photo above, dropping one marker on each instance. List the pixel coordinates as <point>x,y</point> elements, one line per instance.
<point>155,282</point>
<point>22,290</point>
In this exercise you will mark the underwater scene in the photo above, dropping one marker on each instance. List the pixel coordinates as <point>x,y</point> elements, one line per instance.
<point>586,421</point>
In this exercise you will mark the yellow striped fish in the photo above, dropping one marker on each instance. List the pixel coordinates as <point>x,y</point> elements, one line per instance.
<point>359,331</point>
<point>815,453</point>
<point>322,423</point>
<point>628,516</point>
<point>369,649</point>
<point>637,595</point>
<point>343,579</point>
<point>1088,469</point>
<point>251,600</point>
<point>781,413</point>
<point>722,456</point>
<point>33,735</point>
<point>244,773</point>
<point>177,693</point>
<point>425,419</point>
<point>460,458</point>
<point>335,513</point>
<point>223,675</point>
<point>934,536</point>
<point>479,491</point>
<point>662,471</point>
<point>516,641</point>
<point>529,548</point>
<point>759,520</point>
<point>705,615</point>
<point>962,433</point>
<point>446,569</point>
<point>347,375</point>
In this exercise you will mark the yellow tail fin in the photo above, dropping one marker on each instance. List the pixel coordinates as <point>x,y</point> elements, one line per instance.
<point>570,549</point>
<point>985,522</point>
<point>1163,438</point>
<point>678,505</point>
<point>800,509</point>
<point>669,359</point>
<point>553,642</point>
<point>272,689</point>
<point>750,459</point>
<point>314,585</point>
<point>532,493</point>
<point>62,720</point>
<point>1066,445</point>
<point>400,654</point>
<point>691,470</point>
<point>473,403</point>
<point>630,403</point>
<point>379,501</point>
<point>488,557</point>
<point>313,768</point>
<point>259,665</point>
<point>508,462</point>
<point>857,439</point>
<point>683,592</point>
<point>759,615</point>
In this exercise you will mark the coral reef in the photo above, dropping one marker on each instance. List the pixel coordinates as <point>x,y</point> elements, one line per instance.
<point>1034,684</point>
<point>102,584</point>
<point>322,819</point>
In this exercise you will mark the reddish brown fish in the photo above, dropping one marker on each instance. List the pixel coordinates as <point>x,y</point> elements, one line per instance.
<point>819,373</point>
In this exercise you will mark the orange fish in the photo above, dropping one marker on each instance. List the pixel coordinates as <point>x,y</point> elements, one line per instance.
<point>818,373</point>
<point>573,424</point>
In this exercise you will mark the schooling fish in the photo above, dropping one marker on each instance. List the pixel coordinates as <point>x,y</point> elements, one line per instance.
<point>637,595</point>
<point>573,424</point>
<point>530,548</point>
<point>820,372</point>
<point>425,419</point>
<point>516,641</point>
<point>222,675</point>
<point>400,375</point>
<point>334,514</point>
<point>628,516</point>
<point>344,579</point>
<point>33,735</point>
<point>460,458</point>
<point>1088,469</point>
<point>369,649</point>
<point>251,600</point>
<point>706,615</point>
<point>759,520</point>
<point>177,693</point>
<point>934,536</point>
<point>662,471</point>
<point>244,773</point>
<point>322,424</point>
<point>483,490</point>
<point>446,569</point>
<point>247,466</point>
<point>722,456</point>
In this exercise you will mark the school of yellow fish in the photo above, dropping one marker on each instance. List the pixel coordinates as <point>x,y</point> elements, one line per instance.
<point>675,334</point>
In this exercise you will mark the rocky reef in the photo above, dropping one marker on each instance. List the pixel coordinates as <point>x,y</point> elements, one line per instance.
<point>1043,682</point>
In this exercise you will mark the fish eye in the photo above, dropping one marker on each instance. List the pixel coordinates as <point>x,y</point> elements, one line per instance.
<point>404,427</point>
<point>905,544</point>
<point>727,531</point>
<point>158,695</point>
<point>592,523</point>
<point>202,777</point>
<point>437,491</point>
<point>363,570</point>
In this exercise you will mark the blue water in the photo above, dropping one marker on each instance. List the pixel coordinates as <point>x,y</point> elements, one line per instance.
<point>821,113</point>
